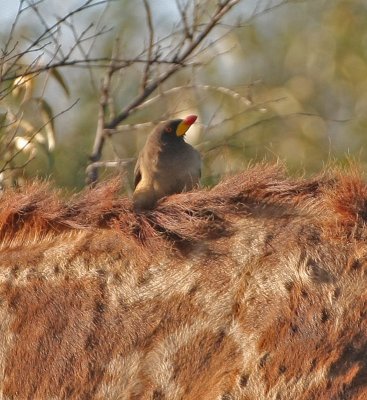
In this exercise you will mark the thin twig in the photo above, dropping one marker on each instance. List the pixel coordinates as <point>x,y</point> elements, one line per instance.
<point>112,164</point>
<point>44,24</point>
<point>103,107</point>
<point>100,62</point>
<point>150,45</point>
<point>49,31</point>
<point>182,11</point>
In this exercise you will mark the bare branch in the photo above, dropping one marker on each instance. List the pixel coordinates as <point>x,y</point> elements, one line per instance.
<point>103,104</point>
<point>187,30</point>
<point>37,43</point>
<point>112,164</point>
<point>150,45</point>
<point>20,167</point>
<point>224,90</point>
<point>222,9</point>
<point>47,28</point>
<point>101,62</point>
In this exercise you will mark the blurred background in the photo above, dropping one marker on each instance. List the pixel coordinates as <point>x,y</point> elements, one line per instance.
<point>274,80</point>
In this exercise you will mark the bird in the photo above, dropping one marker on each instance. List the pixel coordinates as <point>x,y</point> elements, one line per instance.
<point>166,164</point>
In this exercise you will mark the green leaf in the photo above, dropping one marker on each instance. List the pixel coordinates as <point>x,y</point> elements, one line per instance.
<point>23,87</point>
<point>48,118</point>
<point>3,117</point>
<point>56,74</point>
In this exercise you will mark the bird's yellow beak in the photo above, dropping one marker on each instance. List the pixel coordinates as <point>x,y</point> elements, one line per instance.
<point>185,124</point>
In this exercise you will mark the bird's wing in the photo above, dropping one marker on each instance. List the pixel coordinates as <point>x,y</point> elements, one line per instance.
<point>199,163</point>
<point>137,172</point>
<point>196,162</point>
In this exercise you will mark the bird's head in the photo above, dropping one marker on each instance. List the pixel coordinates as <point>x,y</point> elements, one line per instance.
<point>178,127</point>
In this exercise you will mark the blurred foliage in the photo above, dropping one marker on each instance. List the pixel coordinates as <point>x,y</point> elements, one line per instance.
<point>27,131</point>
<point>296,80</point>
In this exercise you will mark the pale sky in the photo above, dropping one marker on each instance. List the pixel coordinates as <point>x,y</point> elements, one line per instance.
<point>8,11</point>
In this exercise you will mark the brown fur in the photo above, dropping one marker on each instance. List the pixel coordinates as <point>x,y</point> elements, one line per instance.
<point>255,289</point>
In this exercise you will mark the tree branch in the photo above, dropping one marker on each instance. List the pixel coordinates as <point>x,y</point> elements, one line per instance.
<point>150,45</point>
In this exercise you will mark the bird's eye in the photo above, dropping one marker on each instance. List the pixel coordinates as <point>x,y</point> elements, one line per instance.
<point>169,129</point>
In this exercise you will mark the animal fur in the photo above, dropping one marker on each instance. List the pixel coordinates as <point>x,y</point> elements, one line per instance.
<point>255,289</point>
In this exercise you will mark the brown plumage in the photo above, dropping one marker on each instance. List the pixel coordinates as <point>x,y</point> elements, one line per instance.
<point>166,165</point>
